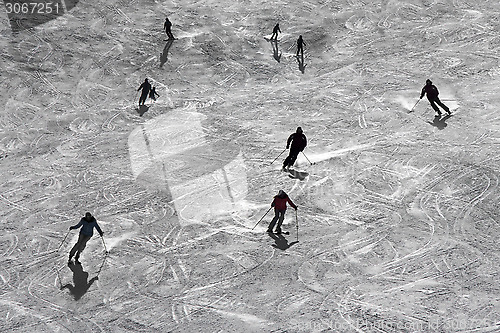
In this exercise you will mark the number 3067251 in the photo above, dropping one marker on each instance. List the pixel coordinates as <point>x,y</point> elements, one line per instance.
<point>32,8</point>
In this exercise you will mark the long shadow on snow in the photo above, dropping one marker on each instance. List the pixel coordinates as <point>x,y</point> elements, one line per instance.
<point>300,61</point>
<point>440,123</point>
<point>164,54</point>
<point>276,53</point>
<point>281,242</point>
<point>80,277</point>
<point>142,109</point>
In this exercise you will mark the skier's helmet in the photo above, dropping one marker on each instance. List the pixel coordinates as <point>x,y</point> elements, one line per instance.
<point>281,193</point>
<point>299,130</point>
<point>428,82</point>
<point>88,216</point>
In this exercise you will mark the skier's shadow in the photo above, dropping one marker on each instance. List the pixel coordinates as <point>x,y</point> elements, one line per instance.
<point>439,122</point>
<point>142,109</point>
<point>281,242</point>
<point>300,61</point>
<point>276,53</point>
<point>297,174</point>
<point>80,277</point>
<point>164,54</point>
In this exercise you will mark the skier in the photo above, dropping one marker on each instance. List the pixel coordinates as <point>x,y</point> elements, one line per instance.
<point>432,95</point>
<point>153,94</point>
<point>279,204</point>
<point>167,26</point>
<point>87,225</point>
<point>299,142</point>
<point>276,29</point>
<point>300,46</point>
<point>146,87</point>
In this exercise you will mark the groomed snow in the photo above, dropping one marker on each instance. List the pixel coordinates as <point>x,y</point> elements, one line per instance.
<point>398,216</point>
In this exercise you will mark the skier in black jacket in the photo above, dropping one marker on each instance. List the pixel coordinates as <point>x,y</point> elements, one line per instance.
<point>168,28</point>
<point>146,87</point>
<point>432,95</point>
<point>276,29</point>
<point>87,225</point>
<point>299,142</point>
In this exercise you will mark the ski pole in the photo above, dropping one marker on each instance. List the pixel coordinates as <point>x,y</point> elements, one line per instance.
<point>262,218</point>
<point>63,240</point>
<point>277,156</point>
<point>102,265</point>
<point>105,249</point>
<point>414,106</point>
<point>307,158</point>
<point>297,224</point>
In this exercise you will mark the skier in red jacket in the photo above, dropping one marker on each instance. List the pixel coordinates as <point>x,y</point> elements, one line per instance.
<point>279,204</point>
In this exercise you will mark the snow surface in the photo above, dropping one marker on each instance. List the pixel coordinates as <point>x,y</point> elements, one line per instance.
<point>398,218</point>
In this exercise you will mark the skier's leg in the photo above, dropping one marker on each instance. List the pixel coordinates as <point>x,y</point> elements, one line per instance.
<point>83,244</point>
<point>293,157</point>
<point>280,221</point>
<point>286,162</point>
<point>74,249</point>
<point>434,106</point>
<point>143,98</point>
<point>273,221</point>
<point>438,102</point>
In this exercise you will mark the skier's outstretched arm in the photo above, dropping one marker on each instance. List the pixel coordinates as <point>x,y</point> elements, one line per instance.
<point>76,226</point>
<point>98,228</point>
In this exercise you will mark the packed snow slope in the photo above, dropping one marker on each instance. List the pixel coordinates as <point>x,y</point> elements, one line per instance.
<point>398,218</point>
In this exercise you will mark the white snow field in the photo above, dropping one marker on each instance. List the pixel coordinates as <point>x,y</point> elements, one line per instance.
<point>398,216</point>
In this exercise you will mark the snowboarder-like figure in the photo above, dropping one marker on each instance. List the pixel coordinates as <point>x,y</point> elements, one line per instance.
<point>146,87</point>
<point>299,142</point>
<point>167,26</point>
<point>276,29</point>
<point>432,95</point>
<point>87,225</point>
<point>153,94</point>
<point>279,204</point>
<point>300,46</point>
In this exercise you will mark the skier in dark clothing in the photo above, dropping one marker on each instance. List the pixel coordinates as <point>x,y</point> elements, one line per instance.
<point>432,95</point>
<point>279,204</point>
<point>153,94</point>
<point>167,26</point>
<point>146,87</point>
<point>299,142</point>
<point>300,46</point>
<point>87,225</point>
<point>276,29</point>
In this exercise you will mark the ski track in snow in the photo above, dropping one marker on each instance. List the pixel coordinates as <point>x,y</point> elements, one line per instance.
<point>398,214</point>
